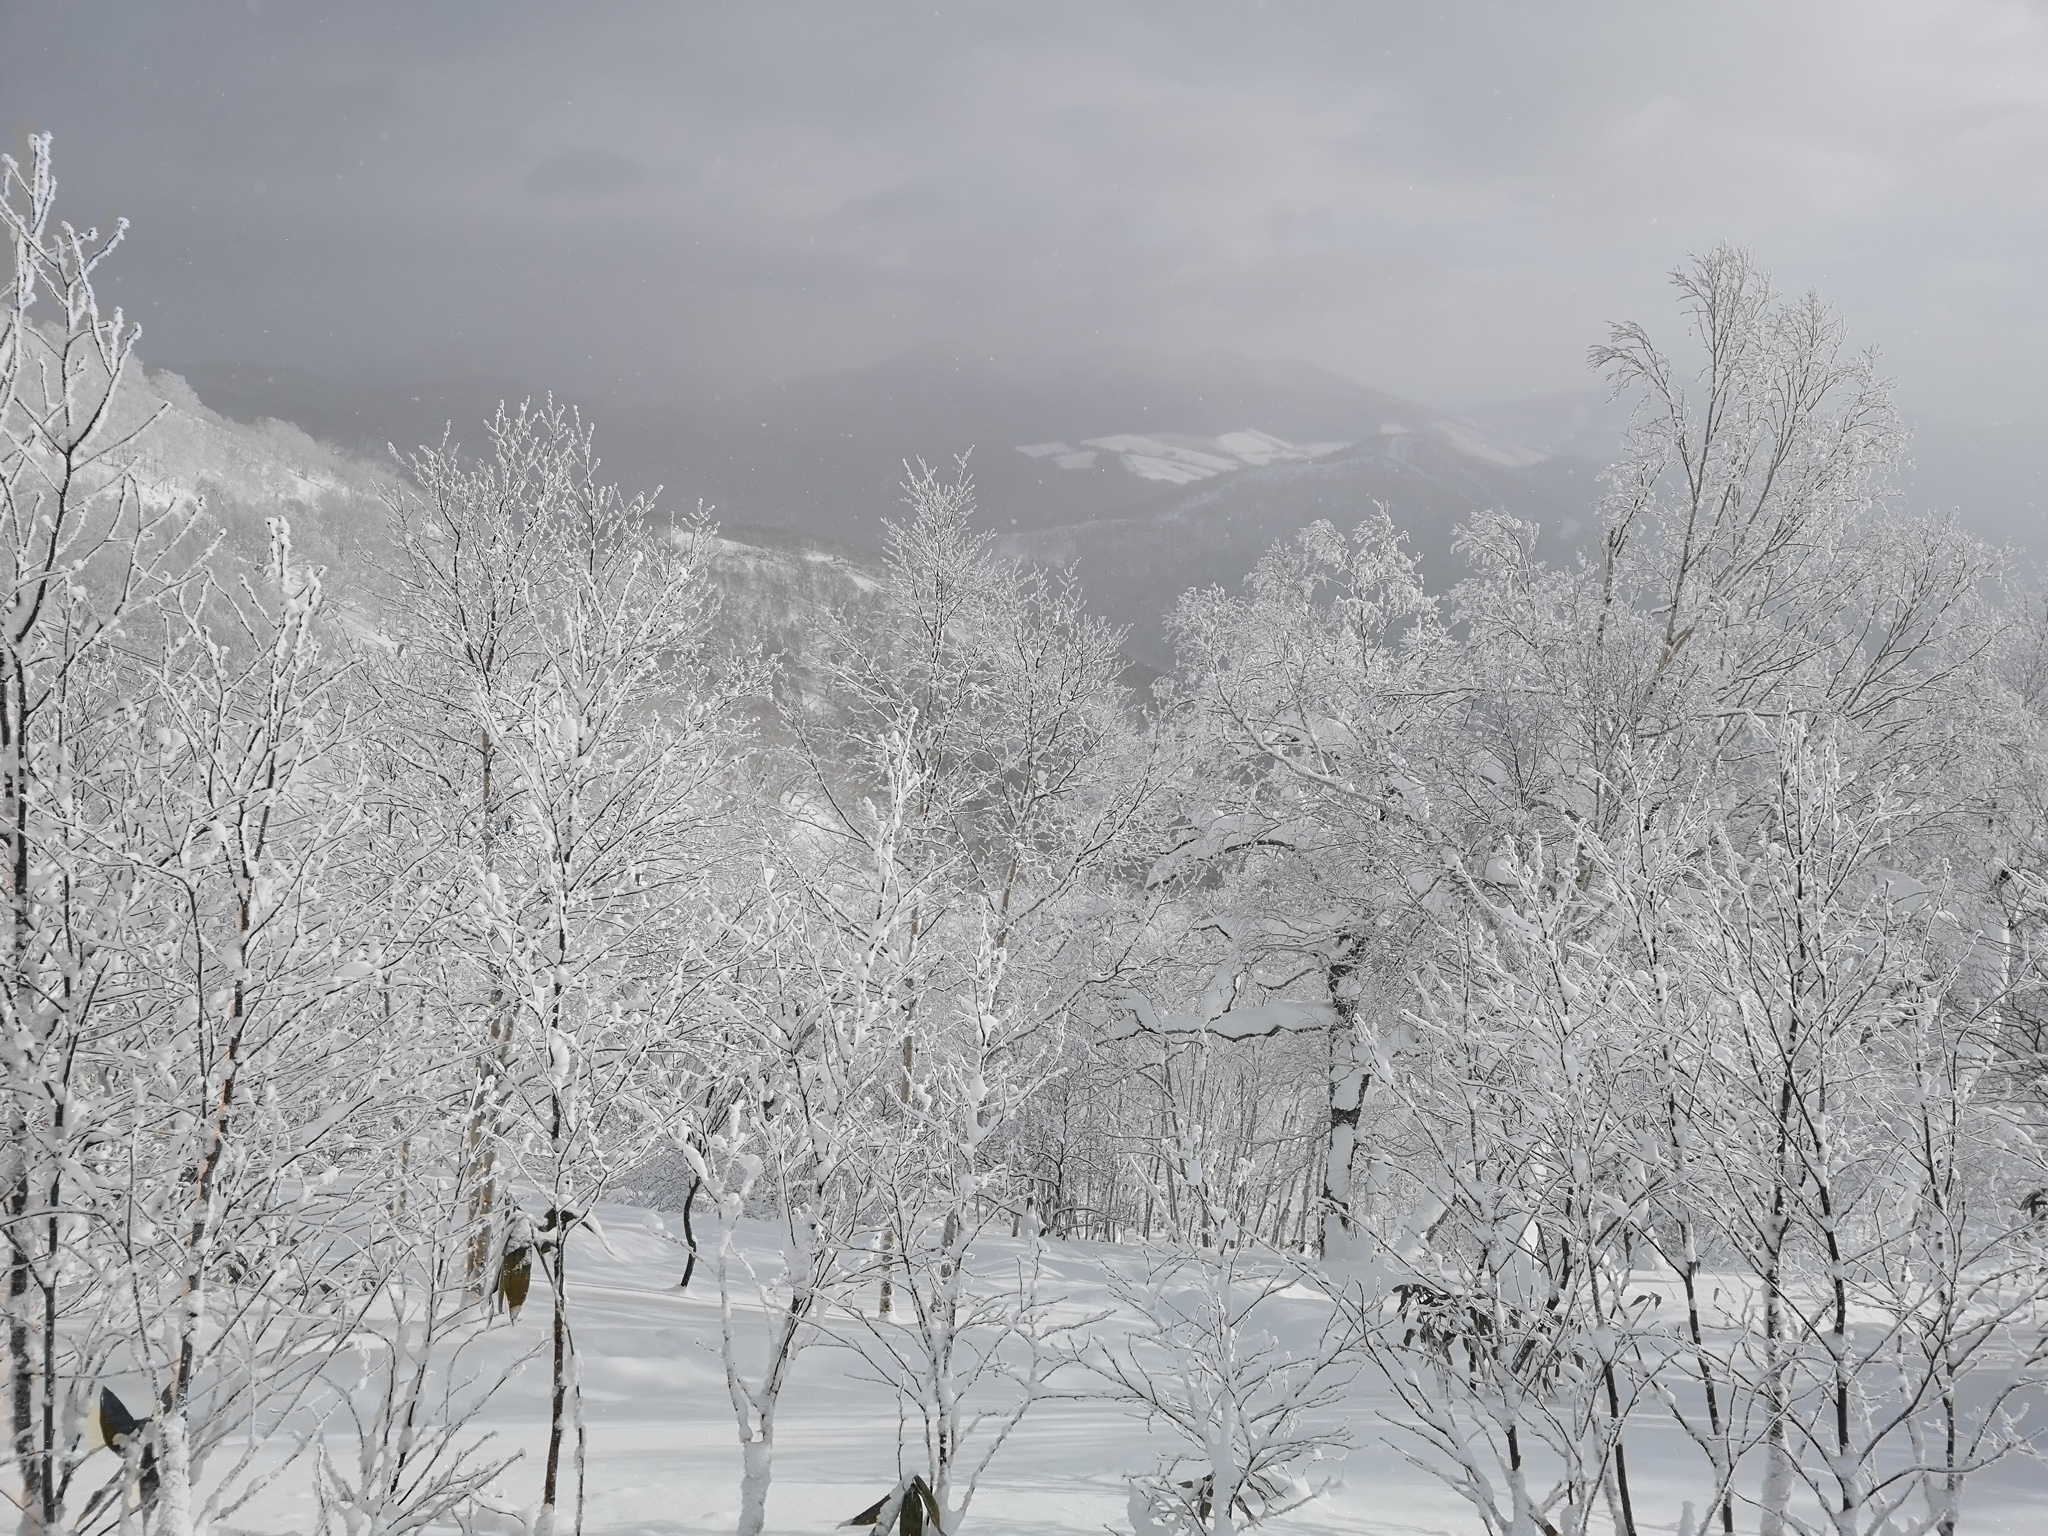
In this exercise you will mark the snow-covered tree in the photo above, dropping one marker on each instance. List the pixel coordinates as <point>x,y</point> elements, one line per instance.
<point>1315,697</point>
<point>400,1451</point>
<point>81,553</point>
<point>578,739</point>
<point>1850,1137</point>
<point>810,1056</point>
<point>250,1050</point>
<point>480,549</point>
<point>967,1347</point>
<point>1509,1319</point>
<point>1233,1355</point>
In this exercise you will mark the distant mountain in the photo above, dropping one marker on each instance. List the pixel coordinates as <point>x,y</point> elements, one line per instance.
<point>1583,423</point>
<point>1136,566</point>
<point>242,473</point>
<point>1150,474</point>
<point>1056,442</point>
<point>361,418</point>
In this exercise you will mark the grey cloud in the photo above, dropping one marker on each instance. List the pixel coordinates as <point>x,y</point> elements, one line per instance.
<point>1449,201</point>
<point>583,173</point>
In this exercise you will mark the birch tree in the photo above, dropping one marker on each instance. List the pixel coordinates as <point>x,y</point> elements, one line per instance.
<point>1863,1171</point>
<point>479,547</point>
<point>238,819</point>
<point>1314,698</point>
<point>1209,1356</point>
<point>811,1058</point>
<point>83,552</point>
<point>606,781</point>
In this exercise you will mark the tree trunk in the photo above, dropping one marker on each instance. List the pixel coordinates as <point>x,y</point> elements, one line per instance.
<point>1349,1077</point>
<point>482,1136</point>
<point>558,1397</point>
<point>756,1462</point>
<point>690,1233</point>
<point>1776,1494</point>
<point>174,1513</point>
<point>24,1365</point>
<point>886,1302</point>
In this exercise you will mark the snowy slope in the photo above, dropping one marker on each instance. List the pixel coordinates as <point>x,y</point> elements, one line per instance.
<point>663,1453</point>
<point>774,584</point>
<point>664,1462</point>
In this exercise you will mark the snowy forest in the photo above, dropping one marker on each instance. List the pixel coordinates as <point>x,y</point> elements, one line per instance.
<point>1577,1029</point>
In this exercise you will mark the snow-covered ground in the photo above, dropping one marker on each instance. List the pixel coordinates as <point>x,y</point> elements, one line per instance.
<point>1182,458</point>
<point>663,1458</point>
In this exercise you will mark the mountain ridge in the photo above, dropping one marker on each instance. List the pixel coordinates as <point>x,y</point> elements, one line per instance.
<point>1201,462</point>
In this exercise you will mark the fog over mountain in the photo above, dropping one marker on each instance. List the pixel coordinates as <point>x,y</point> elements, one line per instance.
<point>1146,474</point>
<point>796,220</point>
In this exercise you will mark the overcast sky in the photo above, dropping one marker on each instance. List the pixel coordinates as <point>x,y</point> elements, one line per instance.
<point>1448,200</point>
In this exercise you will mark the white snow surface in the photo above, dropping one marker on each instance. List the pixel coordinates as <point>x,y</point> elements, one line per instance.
<point>663,1457</point>
<point>1468,440</point>
<point>1182,458</point>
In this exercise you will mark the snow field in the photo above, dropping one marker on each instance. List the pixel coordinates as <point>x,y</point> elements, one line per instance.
<point>664,1459</point>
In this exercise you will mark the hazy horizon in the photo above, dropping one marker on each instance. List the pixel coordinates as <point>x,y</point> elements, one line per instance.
<point>1450,205</point>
